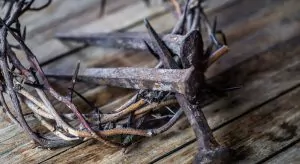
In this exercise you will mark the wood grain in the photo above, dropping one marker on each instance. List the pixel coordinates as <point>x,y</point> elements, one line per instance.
<point>254,137</point>
<point>264,60</point>
<point>290,155</point>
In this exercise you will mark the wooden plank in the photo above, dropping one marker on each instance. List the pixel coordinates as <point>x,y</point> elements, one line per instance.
<point>8,129</point>
<point>258,134</point>
<point>275,22</point>
<point>65,15</point>
<point>291,155</point>
<point>54,14</point>
<point>102,25</point>
<point>260,84</point>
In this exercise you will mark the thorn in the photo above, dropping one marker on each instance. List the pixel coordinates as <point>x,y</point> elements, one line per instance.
<point>83,98</point>
<point>169,109</point>
<point>151,50</point>
<point>24,33</point>
<point>102,7</point>
<point>73,81</point>
<point>163,52</point>
<point>179,27</point>
<point>214,25</point>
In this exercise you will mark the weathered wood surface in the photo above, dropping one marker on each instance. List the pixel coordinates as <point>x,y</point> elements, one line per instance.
<point>259,120</point>
<point>291,155</point>
<point>263,132</point>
